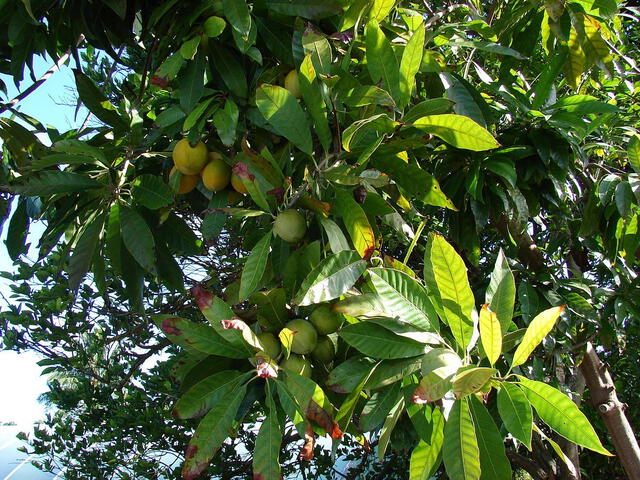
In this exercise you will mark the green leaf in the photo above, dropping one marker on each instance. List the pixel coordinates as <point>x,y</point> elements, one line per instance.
<point>433,106</point>
<point>415,181</point>
<point>563,416</point>
<point>380,9</point>
<point>387,428</point>
<point>460,450</point>
<point>575,65</point>
<point>192,84</point>
<point>199,110</point>
<point>254,267</point>
<point>501,292</point>
<point>633,152</point>
<point>203,338</point>
<point>515,411</point>
<point>266,461</point>
<point>343,417</point>
<point>367,95</point>
<point>379,404</point>
<point>170,116</point>
<point>54,182</point>
<point>410,64</point>
<point>214,26</point>
<point>211,432</point>
<point>189,48</point>
<point>214,222</point>
<point>84,251</point>
<point>300,263</point>
<point>539,327</point>
<point>280,108</point>
<point>230,70</point>
<point>381,61</point>
<point>490,334</point>
<point>80,148</point>
<point>331,278</point>
<point>16,241</point>
<point>361,133</point>
<point>272,309</point>
<point>226,122</point>
<point>446,277</point>
<point>378,342</point>
<point>494,463</point>
<point>311,9</point>
<point>237,12</point>
<point>317,45</point>
<point>439,366</point>
<point>404,298</point>
<point>312,96</point>
<point>457,130</point>
<point>97,102</point>
<point>196,401</point>
<point>137,237</point>
<point>356,222</point>
<point>150,191</point>
<point>466,99</point>
<point>425,457</point>
<point>169,272</point>
<point>471,380</point>
<point>337,240</point>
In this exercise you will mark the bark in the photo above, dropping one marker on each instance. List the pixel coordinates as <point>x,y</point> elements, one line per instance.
<point>528,251</point>
<point>605,400</point>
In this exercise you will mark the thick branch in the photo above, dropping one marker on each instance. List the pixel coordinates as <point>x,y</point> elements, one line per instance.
<point>535,470</point>
<point>605,400</point>
<point>528,251</point>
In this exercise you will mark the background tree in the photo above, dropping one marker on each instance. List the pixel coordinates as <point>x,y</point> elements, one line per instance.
<point>508,128</point>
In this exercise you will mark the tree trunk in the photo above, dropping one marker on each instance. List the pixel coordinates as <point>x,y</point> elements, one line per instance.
<point>605,400</point>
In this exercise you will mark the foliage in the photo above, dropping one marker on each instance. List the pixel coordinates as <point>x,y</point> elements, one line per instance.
<point>468,176</point>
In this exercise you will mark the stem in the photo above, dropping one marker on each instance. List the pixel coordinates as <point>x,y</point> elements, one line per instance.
<point>414,241</point>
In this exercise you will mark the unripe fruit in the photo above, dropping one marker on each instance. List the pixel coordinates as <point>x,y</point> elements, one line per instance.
<point>290,226</point>
<point>325,350</point>
<point>270,344</point>
<point>292,83</point>
<point>187,182</point>
<point>325,320</point>
<point>190,160</point>
<point>297,364</point>
<point>305,336</point>
<point>237,184</point>
<point>216,175</point>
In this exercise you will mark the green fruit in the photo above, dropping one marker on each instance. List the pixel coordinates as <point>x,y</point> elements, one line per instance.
<point>270,343</point>
<point>325,350</point>
<point>297,364</point>
<point>305,336</point>
<point>326,320</point>
<point>290,226</point>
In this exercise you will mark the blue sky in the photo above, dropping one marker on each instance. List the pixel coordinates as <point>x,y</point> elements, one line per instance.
<point>19,373</point>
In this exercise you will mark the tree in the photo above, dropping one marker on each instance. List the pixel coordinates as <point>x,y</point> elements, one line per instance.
<point>465,182</point>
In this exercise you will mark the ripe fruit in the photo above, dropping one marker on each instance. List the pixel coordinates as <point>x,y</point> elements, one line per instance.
<point>190,160</point>
<point>270,343</point>
<point>292,83</point>
<point>325,350</point>
<point>297,364</point>
<point>216,175</point>
<point>305,336</point>
<point>325,320</point>
<point>187,182</point>
<point>237,184</point>
<point>290,226</point>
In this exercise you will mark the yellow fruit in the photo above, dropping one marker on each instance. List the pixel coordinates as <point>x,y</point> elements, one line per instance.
<point>305,336</point>
<point>237,184</point>
<point>290,226</point>
<point>292,83</point>
<point>216,175</point>
<point>190,160</point>
<point>187,182</point>
<point>297,364</point>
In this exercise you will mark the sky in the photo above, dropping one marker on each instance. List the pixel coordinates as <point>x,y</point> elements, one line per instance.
<point>20,376</point>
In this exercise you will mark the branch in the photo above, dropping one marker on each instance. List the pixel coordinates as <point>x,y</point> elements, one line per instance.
<point>143,358</point>
<point>528,251</point>
<point>537,472</point>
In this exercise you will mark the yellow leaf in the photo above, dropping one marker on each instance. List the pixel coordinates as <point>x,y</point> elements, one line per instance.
<point>537,330</point>
<point>490,334</point>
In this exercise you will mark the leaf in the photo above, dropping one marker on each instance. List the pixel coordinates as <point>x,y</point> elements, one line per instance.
<point>300,263</point>
<point>410,64</point>
<point>381,61</point>
<point>379,404</point>
<point>425,457</point>
<point>192,84</point>
<point>237,12</point>
<point>515,411</point>
<point>387,428</point>
<point>137,237</point>
<point>97,102</point>
<point>211,432</point>
<point>84,251</point>
<point>575,65</point>
<point>556,448</point>
<point>404,298</point>
<point>633,152</point>
<point>55,182</point>
<point>490,334</point>
<point>563,416</point>
<point>189,48</point>
<point>317,45</point>
<point>378,342</point>
<point>214,26</point>
<point>501,292</point>
<point>312,96</point>
<point>203,338</point>
<point>457,130</point>
<point>361,133</point>
<point>311,9</point>
<point>337,240</point>
<point>16,241</point>
<point>230,70</point>
<point>433,106</point>
<point>280,108</point>
<point>466,99</point>
<point>214,222</point>
<point>415,181</point>
<point>266,453</point>
<point>199,110</point>
<point>460,450</point>
<point>380,9</point>
<point>446,277</point>
<point>471,380</point>
<point>170,116</point>
<point>196,401</point>
<point>254,267</point>
<point>150,191</point>
<point>331,278</point>
<point>367,95</point>
<point>356,222</point>
<point>539,327</point>
<point>343,417</point>
<point>494,463</point>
